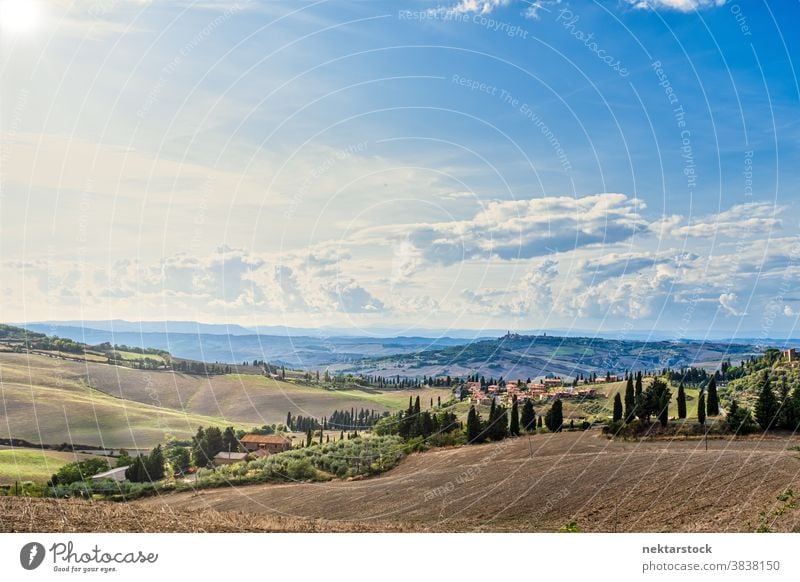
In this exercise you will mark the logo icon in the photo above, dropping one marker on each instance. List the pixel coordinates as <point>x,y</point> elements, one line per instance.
<point>31,555</point>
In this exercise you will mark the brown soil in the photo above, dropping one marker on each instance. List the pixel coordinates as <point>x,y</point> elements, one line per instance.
<point>19,514</point>
<point>669,486</point>
<point>605,486</point>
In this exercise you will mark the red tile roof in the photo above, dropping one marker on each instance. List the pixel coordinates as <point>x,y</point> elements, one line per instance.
<point>265,438</point>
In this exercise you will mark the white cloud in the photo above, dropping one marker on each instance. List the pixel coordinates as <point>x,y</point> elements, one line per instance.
<point>679,5</point>
<point>728,302</point>
<point>737,221</point>
<point>477,6</point>
<point>631,297</point>
<point>536,6</point>
<point>519,229</point>
<point>613,265</point>
<point>532,295</point>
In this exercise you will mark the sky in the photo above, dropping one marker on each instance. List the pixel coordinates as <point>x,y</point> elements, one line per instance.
<point>619,166</point>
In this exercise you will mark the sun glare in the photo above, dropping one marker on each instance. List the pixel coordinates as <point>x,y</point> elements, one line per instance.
<point>19,16</point>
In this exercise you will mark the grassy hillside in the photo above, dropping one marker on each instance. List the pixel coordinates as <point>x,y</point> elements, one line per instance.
<point>46,401</point>
<point>51,400</point>
<point>32,465</point>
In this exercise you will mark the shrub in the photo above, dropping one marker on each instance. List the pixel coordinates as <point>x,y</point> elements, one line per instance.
<point>78,471</point>
<point>300,469</point>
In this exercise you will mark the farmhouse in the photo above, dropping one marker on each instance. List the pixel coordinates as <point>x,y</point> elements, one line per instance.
<point>117,474</point>
<point>790,355</point>
<point>225,458</point>
<point>272,443</point>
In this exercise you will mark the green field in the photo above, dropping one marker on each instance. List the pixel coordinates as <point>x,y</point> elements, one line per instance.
<point>45,402</point>
<point>136,356</point>
<point>48,400</point>
<point>32,465</point>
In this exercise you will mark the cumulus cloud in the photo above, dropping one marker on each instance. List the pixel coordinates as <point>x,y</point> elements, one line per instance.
<point>613,265</point>
<point>633,297</point>
<point>534,8</point>
<point>532,295</point>
<point>679,5</point>
<point>477,6</point>
<point>519,229</point>
<point>728,302</point>
<point>741,219</point>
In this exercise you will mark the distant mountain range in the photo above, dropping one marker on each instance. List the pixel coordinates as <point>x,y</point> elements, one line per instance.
<point>301,352</point>
<point>521,356</point>
<point>382,332</point>
<point>511,355</point>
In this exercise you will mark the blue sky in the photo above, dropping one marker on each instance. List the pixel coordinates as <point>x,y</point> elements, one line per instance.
<point>607,166</point>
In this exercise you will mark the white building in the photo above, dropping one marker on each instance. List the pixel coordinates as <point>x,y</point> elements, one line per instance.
<point>117,474</point>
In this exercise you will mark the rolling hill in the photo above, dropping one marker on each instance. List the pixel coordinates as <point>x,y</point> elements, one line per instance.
<point>53,400</point>
<point>518,356</point>
<point>298,351</point>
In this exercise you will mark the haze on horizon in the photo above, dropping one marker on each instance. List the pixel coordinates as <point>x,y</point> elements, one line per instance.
<point>618,166</point>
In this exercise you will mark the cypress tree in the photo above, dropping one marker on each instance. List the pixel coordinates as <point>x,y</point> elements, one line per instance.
<point>514,429</point>
<point>681,401</point>
<point>213,442</point>
<point>498,423</point>
<point>701,408</point>
<point>199,457</point>
<point>658,398</point>
<point>784,406</point>
<point>638,389</point>
<point>629,400</point>
<point>539,422</point>
<point>554,419</point>
<point>474,426</point>
<point>766,408</point>
<point>135,472</point>
<point>617,408</point>
<point>528,415</point>
<point>417,408</point>
<point>712,404</point>
<point>229,440</point>
<point>155,464</point>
